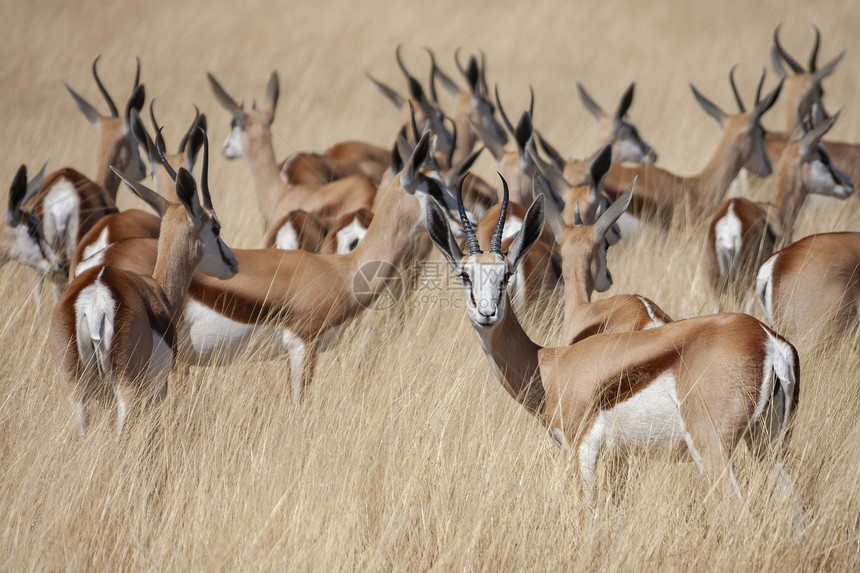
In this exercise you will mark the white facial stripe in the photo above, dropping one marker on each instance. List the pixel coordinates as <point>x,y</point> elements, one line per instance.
<point>213,262</point>
<point>485,291</point>
<point>823,182</point>
<point>232,147</point>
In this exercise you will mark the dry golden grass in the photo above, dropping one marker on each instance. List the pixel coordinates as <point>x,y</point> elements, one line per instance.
<point>407,454</point>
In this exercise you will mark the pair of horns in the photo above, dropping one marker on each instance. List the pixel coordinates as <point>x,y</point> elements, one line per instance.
<point>496,241</point>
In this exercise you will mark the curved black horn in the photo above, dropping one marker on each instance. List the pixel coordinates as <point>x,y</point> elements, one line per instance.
<point>137,73</point>
<point>185,137</point>
<point>813,57</point>
<point>496,241</point>
<point>450,156</point>
<point>760,86</point>
<point>415,88</point>
<point>113,110</point>
<point>159,147</point>
<point>502,112</point>
<point>204,172</point>
<point>792,63</point>
<point>735,90</point>
<point>474,247</point>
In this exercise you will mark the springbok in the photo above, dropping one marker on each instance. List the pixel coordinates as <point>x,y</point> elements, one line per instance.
<point>136,222</point>
<point>472,105</point>
<point>660,196</point>
<point>742,233</point>
<point>68,203</point>
<point>812,287</point>
<point>251,137</point>
<point>583,249</point>
<point>285,302</point>
<point>617,130</point>
<point>120,326</point>
<point>705,383</point>
<point>803,87</point>
<point>428,111</point>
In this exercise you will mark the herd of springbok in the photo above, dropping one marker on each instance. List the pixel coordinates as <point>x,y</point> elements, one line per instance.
<point>138,291</point>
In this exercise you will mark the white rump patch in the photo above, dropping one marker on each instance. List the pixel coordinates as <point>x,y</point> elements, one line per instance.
<point>727,240</point>
<point>287,238</point>
<point>350,236</point>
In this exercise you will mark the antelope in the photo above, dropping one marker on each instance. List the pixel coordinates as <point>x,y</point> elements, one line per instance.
<point>803,86</point>
<point>428,110</point>
<point>742,233</point>
<point>812,287</point>
<point>120,326</point>
<point>515,166</point>
<point>583,249</point>
<point>136,222</point>
<point>471,105</point>
<point>704,383</point>
<point>617,130</point>
<point>251,137</point>
<point>68,203</point>
<point>286,301</point>
<point>659,193</point>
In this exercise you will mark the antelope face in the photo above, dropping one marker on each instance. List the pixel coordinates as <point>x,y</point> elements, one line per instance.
<point>119,148</point>
<point>628,145</point>
<point>217,259</point>
<point>485,277</point>
<point>31,248</point>
<point>483,113</point>
<point>823,178</point>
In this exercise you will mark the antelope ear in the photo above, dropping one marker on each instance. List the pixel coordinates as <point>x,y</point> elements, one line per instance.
<point>440,233</point>
<point>17,191</point>
<point>709,107</point>
<point>186,190</point>
<point>529,233</point>
<point>273,90</point>
<point>589,103</point>
<point>84,106</point>
<point>158,203</point>
<point>626,101</point>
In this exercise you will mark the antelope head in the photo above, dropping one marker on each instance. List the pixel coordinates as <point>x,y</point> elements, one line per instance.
<point>744,129</point>
<point>818,174</point>
<point>201,232</point>
<point>116,145</point>
<point>618,129</point>
<point>584,246</point>
<point>247,127</point>
<point>186,155</point>
<point>484,276</point>
<point>29,245</point>
<point>802,85</point>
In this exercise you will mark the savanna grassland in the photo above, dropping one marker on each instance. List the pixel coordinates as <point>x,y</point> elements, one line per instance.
<point>407,454</point>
